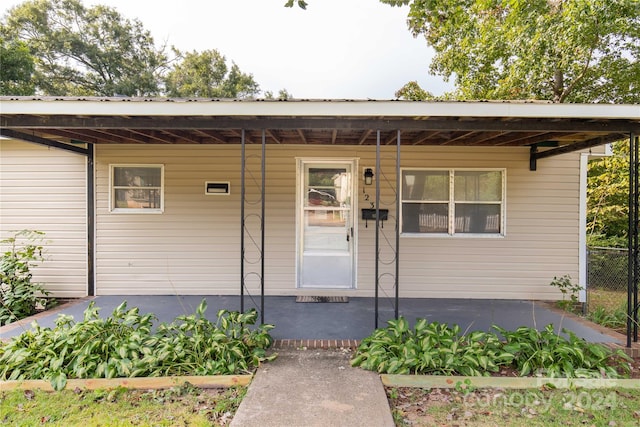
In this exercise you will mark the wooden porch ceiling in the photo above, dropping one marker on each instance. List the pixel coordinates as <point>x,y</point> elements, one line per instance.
<point>566,133</point>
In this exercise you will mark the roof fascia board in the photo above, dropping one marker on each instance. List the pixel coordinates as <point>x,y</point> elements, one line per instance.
<point>329,108</point>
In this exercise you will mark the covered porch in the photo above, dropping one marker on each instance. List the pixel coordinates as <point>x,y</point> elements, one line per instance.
<point>545,130</point>
<point>346,321</point>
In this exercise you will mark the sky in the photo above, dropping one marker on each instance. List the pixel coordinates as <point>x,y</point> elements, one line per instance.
<point>338,49</point>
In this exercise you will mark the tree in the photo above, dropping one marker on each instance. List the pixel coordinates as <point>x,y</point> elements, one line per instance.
<point>413,92</point>
<point>607,197</point>
<point>17,67</point>
<point>559,50</point>
<point>85,51</point>
<point>206,74</point>
<point>283,95</point>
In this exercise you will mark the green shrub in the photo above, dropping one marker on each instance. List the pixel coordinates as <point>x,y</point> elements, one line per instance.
<point>568,288</point>
<point>614,320</point>
<point>438,349</point>
<point>19,296</point>
<point>430,348</point>
<point>551,354</point>
<point>124,345</point>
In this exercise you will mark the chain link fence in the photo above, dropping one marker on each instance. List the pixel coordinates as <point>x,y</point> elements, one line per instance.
<point>607,269</point>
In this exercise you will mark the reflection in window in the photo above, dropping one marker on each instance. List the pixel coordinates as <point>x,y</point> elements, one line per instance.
<point>325,218</point>
<point>452,202</point>
<point>137,188</point>
<point>327,187</point>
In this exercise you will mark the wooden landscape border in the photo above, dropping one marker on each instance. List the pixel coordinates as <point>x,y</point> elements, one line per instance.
<point>207,381</point>
<point>441,381</point>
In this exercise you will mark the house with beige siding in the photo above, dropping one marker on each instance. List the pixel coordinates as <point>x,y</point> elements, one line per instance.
<point>322,198</point>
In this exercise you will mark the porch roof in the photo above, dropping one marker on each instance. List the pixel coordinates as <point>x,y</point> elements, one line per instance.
<point>567,127</point>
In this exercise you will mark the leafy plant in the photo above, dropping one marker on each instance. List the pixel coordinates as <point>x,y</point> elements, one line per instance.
<point>435,348</point>
<point>124,345</point>
<point>465,387</point>
<point>430,348</point>
<point>568,289</point>
<point>614,320</point>
<point>19,296</point>
<point>548,353</point>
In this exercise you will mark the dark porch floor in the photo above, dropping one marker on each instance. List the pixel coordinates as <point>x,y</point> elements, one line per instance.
<point>352,320</point>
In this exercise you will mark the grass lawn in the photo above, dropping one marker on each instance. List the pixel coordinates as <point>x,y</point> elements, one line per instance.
<point>484,407</point>
<point>608,308</point>
<point>609,300</point>
<point>184,406</point>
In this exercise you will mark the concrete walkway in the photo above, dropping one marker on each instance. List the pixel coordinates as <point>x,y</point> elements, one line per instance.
<point>313,388</point>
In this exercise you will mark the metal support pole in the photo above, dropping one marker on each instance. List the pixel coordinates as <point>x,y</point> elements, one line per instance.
<point>398,187</point>
<point>377,241</point>
<point>262,215</point>
<point>632,271</point>
<point>242,219</point>
<point>91,221</point>
<point>636,237</point>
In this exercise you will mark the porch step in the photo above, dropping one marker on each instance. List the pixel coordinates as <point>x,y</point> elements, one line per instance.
<point>313,388</point>
<point>313,298</point>
<point>302,344</point>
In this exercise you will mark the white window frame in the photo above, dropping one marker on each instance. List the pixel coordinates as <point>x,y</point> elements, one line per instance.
<point>451,202</point>
<point>112,189</point>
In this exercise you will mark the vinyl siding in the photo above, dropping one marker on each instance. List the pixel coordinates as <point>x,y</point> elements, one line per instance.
<point>193,247</point>
<point>44,189</point>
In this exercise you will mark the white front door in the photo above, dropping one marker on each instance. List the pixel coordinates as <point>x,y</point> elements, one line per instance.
<point>325,219</point>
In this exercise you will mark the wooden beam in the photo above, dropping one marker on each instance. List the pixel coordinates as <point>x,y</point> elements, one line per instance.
<point>582,145</point>
<point>212,134</point>
<point>43,141</point>
<point>385,124</point>
<point>273,135</point>
<point>302,136</point>
<point>154,135</point>
<point>423,137</point>
<point>462,136</point>
<point>364,136</point>
<point>127,135</point>
<point>185,136</point>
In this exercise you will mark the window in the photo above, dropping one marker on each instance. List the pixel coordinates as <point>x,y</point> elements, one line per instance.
<point>436,201</point>
<point>137,188</point>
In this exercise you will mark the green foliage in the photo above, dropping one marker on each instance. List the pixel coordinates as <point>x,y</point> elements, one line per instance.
<point>564,51</point>
<point>283,95</point>
<point>125,345</point>
<point>301,4</point>
<point>437,349</point>
<point>465,387</point>
<point>603,241</point>
<point>207,75</point>
<point>550,354</point>
<point>616,319</point>
<point>430,348</point>
<point>608,198</point>
<point>413,92</point>
<point>17,68</point>
<point>82,50</point>
<point>182,405</point>
<point>568,289</point>
<point>19,296</point>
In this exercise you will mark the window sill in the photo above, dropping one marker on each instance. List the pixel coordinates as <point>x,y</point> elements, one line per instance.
<point>136,211</point>
<point>453,236</point>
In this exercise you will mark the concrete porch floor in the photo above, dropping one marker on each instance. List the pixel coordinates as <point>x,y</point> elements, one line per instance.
<point>353,320</point>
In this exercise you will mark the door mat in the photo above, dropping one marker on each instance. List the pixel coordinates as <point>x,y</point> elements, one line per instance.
<point>306,298</point>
